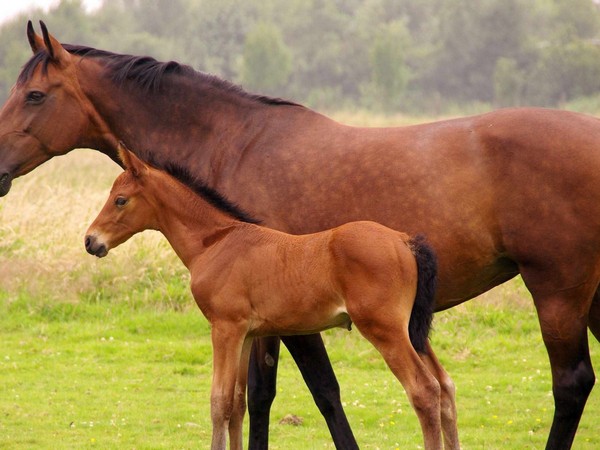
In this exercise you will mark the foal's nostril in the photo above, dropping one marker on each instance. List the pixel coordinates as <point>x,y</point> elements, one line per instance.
<point>90,242</point>
<point>94,248</point>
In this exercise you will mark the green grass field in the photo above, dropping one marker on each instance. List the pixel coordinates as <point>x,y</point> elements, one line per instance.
<point>113,353</point>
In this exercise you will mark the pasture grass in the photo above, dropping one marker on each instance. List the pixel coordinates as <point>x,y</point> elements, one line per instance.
<point>113,353</point>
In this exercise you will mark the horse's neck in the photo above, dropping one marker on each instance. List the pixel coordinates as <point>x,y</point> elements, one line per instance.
<point>197,127</point>
<point>188,221</point>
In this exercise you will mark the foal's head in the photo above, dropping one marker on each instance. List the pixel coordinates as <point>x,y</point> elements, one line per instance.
<point>130,208</point>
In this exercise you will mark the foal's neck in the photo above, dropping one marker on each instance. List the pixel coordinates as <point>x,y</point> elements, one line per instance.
<point>188,221</point>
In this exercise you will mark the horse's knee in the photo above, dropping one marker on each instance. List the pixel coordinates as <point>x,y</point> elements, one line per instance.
<point>448,396</point>
<point>447,386</point>
<point>426,400</point>
<point>327,396</point>
<point>239,408</point>
<point>572,388</point>
<point>221,409</point>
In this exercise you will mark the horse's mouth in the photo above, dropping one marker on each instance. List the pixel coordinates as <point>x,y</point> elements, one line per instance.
<point>101,252</point>
<point>5,184</point>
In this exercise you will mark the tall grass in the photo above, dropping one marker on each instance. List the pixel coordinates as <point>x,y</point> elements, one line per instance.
<point>113,353</point>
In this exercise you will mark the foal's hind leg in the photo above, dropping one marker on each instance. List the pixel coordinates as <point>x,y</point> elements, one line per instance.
<point>447,399</point>
<point>563,317</point>
<point>423,390</point>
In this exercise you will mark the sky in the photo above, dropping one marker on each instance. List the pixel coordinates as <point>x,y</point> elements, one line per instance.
<point>9,9</point>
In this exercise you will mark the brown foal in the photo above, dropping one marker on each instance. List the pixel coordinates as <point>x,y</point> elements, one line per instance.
<point>252,281</point>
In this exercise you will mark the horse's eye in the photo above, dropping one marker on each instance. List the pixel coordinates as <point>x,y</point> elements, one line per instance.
<point>35,97</point>
<point>120,201</point>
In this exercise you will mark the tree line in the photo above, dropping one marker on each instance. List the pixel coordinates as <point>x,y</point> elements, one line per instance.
<point>383,55</point>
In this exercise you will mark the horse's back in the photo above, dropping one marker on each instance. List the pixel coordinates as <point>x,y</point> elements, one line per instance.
<point>497,192</point>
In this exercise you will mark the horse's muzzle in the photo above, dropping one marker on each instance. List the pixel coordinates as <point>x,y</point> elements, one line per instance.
<point>5,183</point>
<point>94,248</point>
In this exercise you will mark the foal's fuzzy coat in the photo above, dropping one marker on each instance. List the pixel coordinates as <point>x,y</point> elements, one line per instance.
<point>252,281</point>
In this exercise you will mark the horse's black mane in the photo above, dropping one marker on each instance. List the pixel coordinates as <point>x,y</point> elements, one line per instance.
<point>200,188</point>
<point>145,71</point>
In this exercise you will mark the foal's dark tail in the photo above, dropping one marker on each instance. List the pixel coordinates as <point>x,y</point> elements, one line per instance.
<point>422,312</point>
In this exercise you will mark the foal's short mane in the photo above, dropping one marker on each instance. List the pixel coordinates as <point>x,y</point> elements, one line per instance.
<point>200,188</point>
<point>145,71</point>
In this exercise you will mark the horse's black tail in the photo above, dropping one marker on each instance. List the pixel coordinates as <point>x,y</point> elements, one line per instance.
<point>422,312</point>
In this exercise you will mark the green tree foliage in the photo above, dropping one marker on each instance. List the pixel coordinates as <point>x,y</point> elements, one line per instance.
<point>389,71</point>
<point>508,84</point>
<point>266,58</point>
<point>383,54</point>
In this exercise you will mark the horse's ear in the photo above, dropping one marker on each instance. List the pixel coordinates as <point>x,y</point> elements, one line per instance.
<point>131,162</point>
<point>53,47</point>
<point>35,41</point>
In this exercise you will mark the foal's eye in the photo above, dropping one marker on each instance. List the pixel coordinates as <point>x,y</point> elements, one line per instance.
<point>35,97</point>
<point>120,201</point>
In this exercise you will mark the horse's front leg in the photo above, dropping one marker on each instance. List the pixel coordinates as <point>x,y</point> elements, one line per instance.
<point>239,398</point>
<point>227,341</point>
<point>563,320</point>
<point>262,378</point>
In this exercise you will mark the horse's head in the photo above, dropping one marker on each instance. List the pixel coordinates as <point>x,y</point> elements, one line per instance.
<point>46,114</point>
<point>128,210</point>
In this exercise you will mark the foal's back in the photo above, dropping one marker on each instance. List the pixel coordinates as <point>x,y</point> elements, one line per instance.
<point>288,284</point>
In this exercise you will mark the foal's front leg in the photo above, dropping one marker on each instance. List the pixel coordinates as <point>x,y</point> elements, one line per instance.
<point>239,398</point>
<point>227,341</point>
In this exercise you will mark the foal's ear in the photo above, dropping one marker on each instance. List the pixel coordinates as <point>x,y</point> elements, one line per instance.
<point>131,162</point>
<point>35,41</point>
<point>53,47</point>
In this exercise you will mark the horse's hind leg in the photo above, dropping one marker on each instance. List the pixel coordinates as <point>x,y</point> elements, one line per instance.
<point>311,358</point>
<point>447,399</point>
<point>563,317</point>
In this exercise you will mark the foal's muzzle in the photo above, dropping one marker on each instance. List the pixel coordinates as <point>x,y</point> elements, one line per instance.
<point>94,248</point>
<point>5,183</point>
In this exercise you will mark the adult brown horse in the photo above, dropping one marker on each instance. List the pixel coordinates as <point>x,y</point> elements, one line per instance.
<point>512,191</point>
<point>251,281</point>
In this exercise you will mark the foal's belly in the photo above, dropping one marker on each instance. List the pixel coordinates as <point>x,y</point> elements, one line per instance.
<point>291,320</point>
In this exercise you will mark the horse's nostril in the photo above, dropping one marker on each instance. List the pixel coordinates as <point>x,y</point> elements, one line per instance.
<point>5,183</point>
<point>88,241</point>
